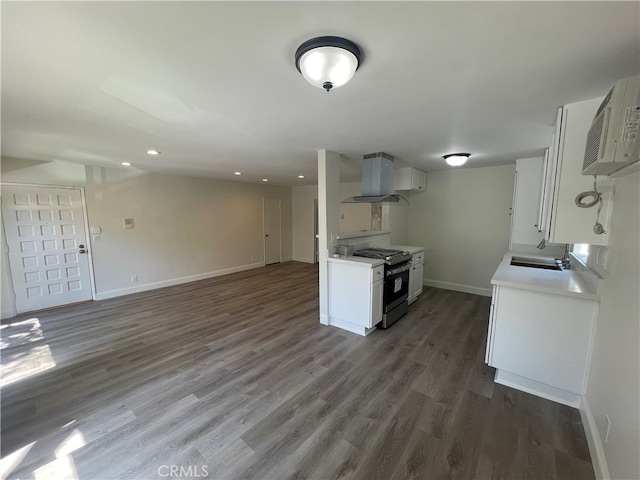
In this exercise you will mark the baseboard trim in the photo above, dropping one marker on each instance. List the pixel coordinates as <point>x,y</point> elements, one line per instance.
<point>287,259</point>
<point>324,319</point>
<point>350,327</point>
<point>539,389</point>
<point>598,459</point>
<point>303,260</point>
<point>458,287</point>
<point>173,281</point>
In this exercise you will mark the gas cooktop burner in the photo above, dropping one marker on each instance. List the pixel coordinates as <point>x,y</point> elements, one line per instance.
<point>389,255</point>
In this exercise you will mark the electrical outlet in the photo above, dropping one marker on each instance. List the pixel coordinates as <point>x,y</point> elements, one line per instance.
<point>608,429</point>
<point>134,278</point>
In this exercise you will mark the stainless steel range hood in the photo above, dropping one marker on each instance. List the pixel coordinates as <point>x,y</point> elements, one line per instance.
<point>377,181</point>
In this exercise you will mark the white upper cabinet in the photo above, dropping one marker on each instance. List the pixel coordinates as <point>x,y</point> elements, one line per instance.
<point>526,227</point>
<point>410,178</point>
<point>564,221</point>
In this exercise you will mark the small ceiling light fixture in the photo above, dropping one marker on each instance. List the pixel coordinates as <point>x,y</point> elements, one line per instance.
<point>153,152</point>
<point>265,179</point>
<point>125,164</point>
<point>300,176</point>
<point>237,173</point>
<point>456,159</point>
<point>328,62</point>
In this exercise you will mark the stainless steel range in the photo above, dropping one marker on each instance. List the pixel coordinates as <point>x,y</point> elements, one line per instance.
<point>396,281</point>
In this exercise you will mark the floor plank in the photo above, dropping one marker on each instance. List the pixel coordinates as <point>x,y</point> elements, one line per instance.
<point>234,376</point>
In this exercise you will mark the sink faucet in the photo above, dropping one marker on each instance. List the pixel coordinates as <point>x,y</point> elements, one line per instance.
<point>566,265</point>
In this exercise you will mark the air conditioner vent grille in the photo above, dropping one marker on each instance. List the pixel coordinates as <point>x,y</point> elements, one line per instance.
<point>594,138</point>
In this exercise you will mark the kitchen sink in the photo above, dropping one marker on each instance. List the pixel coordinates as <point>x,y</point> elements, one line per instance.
<point>545,263</point>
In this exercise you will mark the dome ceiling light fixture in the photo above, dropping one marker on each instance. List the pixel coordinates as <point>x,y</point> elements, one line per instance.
<point>328,62</point>
<point>456,159</point>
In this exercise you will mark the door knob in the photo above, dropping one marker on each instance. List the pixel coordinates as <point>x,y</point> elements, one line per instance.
<point>266,235</point>
<point>83,251</point>
<point>81,246</point>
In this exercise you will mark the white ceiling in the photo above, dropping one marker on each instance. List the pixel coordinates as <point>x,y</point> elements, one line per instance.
<point>213,85</point>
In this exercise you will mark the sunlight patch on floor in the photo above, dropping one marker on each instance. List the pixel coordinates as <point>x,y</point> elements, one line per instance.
<point>19,365</point>
<point>61,468</point>
<point>71,443</point>
<point>9,463</point>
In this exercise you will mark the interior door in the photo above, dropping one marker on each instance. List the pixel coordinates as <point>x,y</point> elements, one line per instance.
<point>47,243</point>
<point>272,231</point>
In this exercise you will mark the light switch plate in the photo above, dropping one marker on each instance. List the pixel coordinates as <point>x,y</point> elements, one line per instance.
<point>96,230</point>
<point>128,223</point>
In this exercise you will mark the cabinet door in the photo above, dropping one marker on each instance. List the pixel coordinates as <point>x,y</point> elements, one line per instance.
<point>543,337</point>
<point>377,291</point>
<point>551,178</point>
<point>494,298</point>
<point>543,188</point>
<point>417,285</point>
<point>409,178</point>
<point>418,180</point>
<point>412,281</point>
<point>526,202</point>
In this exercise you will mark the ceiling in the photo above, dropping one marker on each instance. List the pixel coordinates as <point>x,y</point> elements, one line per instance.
<point>213,85</point>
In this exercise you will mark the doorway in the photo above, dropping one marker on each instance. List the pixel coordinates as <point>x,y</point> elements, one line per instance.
<point>272,231</point>
<point>48,249</point>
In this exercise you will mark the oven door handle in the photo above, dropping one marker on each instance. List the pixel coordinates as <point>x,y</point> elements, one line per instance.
<point>403,268</point>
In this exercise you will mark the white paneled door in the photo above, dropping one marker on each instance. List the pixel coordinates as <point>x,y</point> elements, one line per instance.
<point>272,233</point>
<point>47,242</point>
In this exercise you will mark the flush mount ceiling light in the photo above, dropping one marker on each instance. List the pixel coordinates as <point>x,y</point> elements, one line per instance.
<point>125,164</point>
<point>300,176</point>
<point>328,62</point>
<point>153,152</point>
<point>237,173</point>
<point>456,159</point>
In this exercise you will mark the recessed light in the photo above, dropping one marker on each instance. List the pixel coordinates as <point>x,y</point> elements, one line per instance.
<point>300,176</point>
<point>125,164</point>
<point>456,159</point>
<point>237,173</point>
<point>265,179</point>
<point>153,152</point>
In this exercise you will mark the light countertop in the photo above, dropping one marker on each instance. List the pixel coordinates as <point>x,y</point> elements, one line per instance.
<point>577,282</point>
<point>407,248</point>
<point>363,261</point>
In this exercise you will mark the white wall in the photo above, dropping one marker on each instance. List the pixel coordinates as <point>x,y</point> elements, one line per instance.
<point>395,219</point>
<point>463,222</point>
<point>614,380</point>
<point>185,227</point>
<point>302,222</point>
<point>354,217</point>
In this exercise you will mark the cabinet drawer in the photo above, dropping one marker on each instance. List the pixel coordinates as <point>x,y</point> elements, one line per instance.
<point>418,258</point>
<point>377,273</point>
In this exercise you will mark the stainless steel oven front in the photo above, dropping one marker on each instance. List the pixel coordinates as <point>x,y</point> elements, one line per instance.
<point>396,293</point>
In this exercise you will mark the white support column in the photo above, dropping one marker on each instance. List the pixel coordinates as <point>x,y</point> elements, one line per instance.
<point>328,220</point>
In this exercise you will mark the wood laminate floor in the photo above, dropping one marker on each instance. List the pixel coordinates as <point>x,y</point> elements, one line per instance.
<point>233,377</point>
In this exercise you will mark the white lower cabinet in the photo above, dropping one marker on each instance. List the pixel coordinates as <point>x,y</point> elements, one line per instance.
<point>415,276</point>
<point>355,296</point>
<point>541,343</point>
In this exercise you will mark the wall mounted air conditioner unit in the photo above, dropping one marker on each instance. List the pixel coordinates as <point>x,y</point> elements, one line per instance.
<point>613,141</point>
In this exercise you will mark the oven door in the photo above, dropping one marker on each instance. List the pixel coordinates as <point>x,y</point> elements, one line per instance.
<point>396,286</point>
